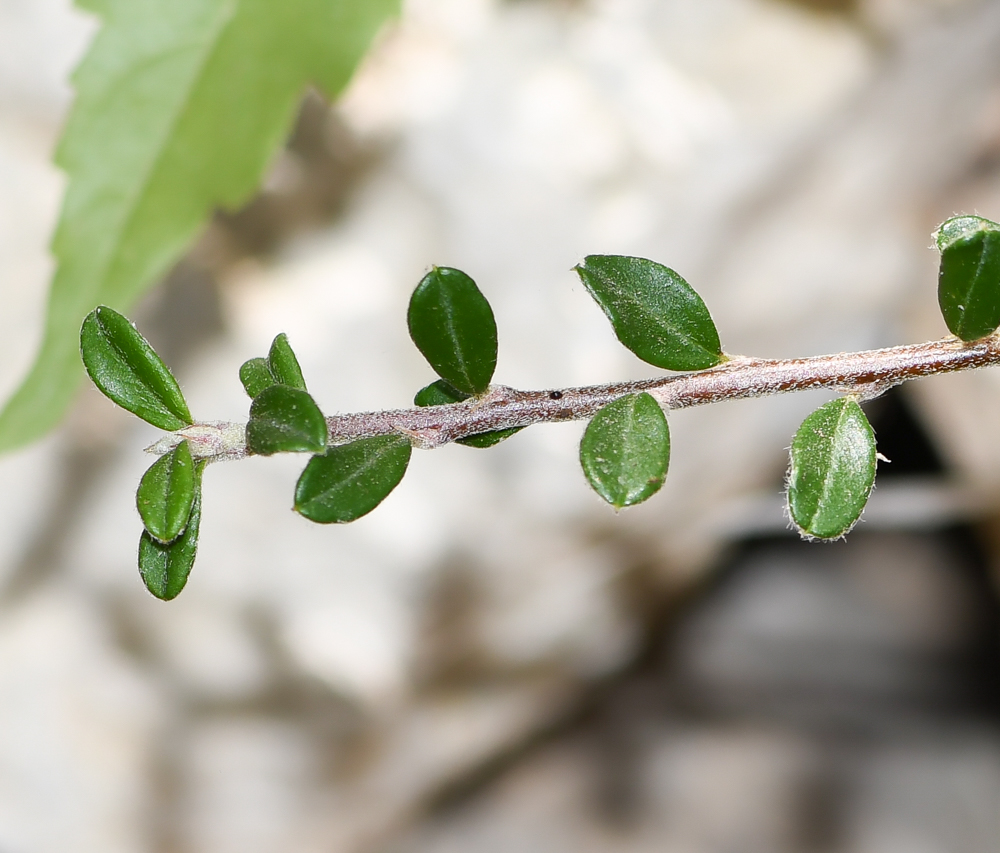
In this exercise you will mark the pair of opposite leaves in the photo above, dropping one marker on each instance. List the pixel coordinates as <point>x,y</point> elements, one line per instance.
<point>341,482</point>
<point>127,370</point>
<point>626,448</point>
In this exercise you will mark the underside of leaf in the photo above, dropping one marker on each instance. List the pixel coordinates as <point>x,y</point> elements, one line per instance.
<point>832,469</point>
<point>181,104</point>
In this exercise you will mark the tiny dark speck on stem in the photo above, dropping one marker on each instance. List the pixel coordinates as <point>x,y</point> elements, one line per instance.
<point>555,395</point>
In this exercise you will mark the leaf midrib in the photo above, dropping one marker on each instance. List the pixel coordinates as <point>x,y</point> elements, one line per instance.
<point>661,321</point>
<point>370,462</point>
<point>457,340</point>
<point>828,476</point>
<point>974,281</point>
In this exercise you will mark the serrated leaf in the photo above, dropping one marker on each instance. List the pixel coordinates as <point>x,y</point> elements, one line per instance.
<point>126,369</point>
<point>350,480</point>
<point>165,568</point>
<point>166,493</point>
<point>284,365</point>
<point>654,312</point>
<point>285,420</point>
<point>832,469</point>
<point>969,277</point>
<point>440,393</point>
<point>181,105</point>
<point>452,325</point>
<point>625,450</point>
<point>256,375</point>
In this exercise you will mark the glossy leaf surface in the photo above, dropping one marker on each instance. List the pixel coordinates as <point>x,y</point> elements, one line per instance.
<point>654,312</point>
<point>256,375</point>
<point>125,368</point>
<point>350,480</point>
<point>166,493</point>
<point>969,277</point>
<point>452,324</point>
<point>284,365</point>
<point>180,107</point>
<point>440,393</point>
<point>165,568</point>
<point>285,420</point>
<point>625,450</point>
<point>832,469</point>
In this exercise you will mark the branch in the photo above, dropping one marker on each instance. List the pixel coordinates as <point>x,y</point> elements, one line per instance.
<point>864,374</point>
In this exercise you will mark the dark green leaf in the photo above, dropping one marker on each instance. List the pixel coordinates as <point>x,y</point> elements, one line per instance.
<point>626,449</point>
<point>482,440</point>
<point>832,469</point>
<point>285,420</point>
<point>654,312</point>
<point>256,376</point>
<point>440,393</point>
<point>452,325</point>
<point>969,279</point>
<point>281,367</point>
<point>181,106</point>
<point>284,365</point>
<point>350,480</point>
<point>125,368</point>
<point>165,568</point>
<point>165,494</point>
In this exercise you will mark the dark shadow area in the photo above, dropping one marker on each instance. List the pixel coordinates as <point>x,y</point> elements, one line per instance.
<point>900,436</point>
<point>863,675</point>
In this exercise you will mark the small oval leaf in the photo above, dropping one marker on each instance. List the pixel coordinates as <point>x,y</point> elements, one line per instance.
<point>452,324</point>
<point>285,420</point>
<point>284,365</point>
<point>164,568</point>
<point>126,369</point>
<point>256,376</point>
<point>832,469</point>
<point>625,450</point>
<point>350,480</point>
<point>440,393</point>
<point>969,278</point>
<point>654,312</point>
<point>166,493</point>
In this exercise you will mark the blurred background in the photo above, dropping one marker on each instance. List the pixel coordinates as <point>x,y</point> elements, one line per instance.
<point>494,660</point>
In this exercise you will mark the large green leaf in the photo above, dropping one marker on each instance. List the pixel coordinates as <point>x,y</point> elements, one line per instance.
<point>969,279</point>
<point>832,469</point>
<point>350,480</point>
<point>654,312</point>
<point>166,494</point>
<point>126,369</point>
<point>181,104</point>
<point>452,325</point>
<point>625,450</point>
<point>440,393</point>
<point>285,420</point>
<point>164,568</point>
